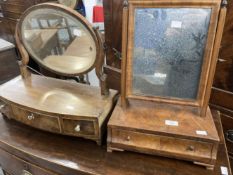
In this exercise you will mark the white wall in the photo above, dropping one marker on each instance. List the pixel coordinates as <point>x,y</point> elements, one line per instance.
<point>89,8</point>
<point>89,4</point>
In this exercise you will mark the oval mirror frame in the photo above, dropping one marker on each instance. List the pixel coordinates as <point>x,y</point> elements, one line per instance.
<point>75,15</point>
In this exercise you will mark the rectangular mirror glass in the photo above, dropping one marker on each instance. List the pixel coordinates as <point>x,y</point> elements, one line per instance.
<point>169,46</point>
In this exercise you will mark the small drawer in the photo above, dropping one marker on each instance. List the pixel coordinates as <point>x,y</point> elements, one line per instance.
<point>227,122</point>
<point>78,127</point>
<point>18,2</point>
<point>13,10</point>
<point>161,144</point>
<point>40,121</point>
<point>16,166</point>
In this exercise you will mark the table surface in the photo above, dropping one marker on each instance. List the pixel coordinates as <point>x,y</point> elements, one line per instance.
<point>69,155</point>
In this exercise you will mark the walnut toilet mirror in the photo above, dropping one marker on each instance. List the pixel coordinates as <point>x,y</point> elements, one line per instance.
<point>169,55</point>
<point>62,41</point>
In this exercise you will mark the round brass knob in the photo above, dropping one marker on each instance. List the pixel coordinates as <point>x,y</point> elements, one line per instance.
<point>31,117</point>
<point>191,148</point>
<point>128,138</point>
<point>77,128</point>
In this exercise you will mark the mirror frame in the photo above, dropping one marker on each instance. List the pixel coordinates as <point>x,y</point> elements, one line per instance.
<point>75,15</point>
<point>209,60</point>
<point>97,36</point>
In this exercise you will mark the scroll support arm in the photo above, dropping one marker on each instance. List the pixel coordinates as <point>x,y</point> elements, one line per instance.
<point>99,67</point>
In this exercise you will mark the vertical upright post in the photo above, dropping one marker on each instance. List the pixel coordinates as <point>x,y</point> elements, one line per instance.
<point>99,65</point>
<point>217,43</point>
<point>124,101</point>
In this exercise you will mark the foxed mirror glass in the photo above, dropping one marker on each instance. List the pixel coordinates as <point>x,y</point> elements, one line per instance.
<point>169,46</point>
<point>59,41</point>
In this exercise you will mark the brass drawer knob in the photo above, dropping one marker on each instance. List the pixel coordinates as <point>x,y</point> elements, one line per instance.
<point>190,148</point>
<point>31,117</point>
<point>128,138</point>
<point>77,128</point>
<point>24,172</point>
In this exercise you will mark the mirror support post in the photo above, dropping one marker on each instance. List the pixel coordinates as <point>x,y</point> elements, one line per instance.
<point>24,56</point>
<point>99,64</point>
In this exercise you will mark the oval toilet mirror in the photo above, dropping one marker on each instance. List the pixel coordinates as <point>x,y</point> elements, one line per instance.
<point>59,39</point>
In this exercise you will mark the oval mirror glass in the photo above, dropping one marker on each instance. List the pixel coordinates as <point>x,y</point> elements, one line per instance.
<point>59,39</point>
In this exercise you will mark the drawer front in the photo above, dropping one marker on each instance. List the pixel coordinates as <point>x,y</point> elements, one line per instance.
<point>16,166</point>
<point>79,127</point>
<point>13,10</point>
<point>41,121</point>
<point>227,123</point>
<point>162,144</point>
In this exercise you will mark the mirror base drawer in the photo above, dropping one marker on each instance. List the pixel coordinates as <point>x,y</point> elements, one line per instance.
<point>36,120</point>
<point>197,151</point>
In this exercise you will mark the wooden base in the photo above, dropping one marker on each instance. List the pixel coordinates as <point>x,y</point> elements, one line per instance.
<point>208,166</point>
<point>58,106</point>
<point>177,134</point>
